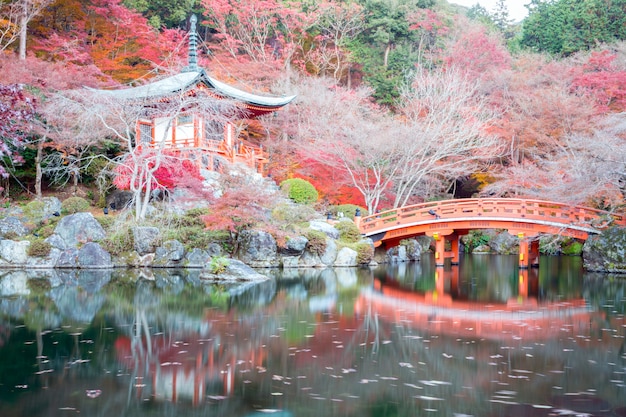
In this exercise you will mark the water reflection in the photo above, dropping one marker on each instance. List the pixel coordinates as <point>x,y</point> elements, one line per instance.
<point>482,339</point>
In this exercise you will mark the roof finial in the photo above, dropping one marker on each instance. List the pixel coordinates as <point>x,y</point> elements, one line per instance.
<point>192,65</point>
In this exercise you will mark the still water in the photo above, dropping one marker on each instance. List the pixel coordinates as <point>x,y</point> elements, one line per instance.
<point>481,339</point>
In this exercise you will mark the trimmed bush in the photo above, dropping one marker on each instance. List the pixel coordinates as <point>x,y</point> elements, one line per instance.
<point>348,231</point>
<point>300,191</point>
<point>120,242</point>
<point>288,213</point>
<point>364,253</point>
<point>39,248</point>
<point>317,241</point>
<point>34,209</point>
<point>75,205</point>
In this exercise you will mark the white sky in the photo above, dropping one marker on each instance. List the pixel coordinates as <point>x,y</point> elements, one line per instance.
<point>517,11</point>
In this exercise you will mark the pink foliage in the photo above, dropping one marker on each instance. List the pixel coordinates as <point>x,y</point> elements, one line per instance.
<point>478,54</point>
<point>602,80</point>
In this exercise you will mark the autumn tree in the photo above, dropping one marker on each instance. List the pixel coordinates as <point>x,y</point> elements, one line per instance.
<point>17,110</point>
<point>263,31</point>
<point>15,15</point>
<point>336,25</point>
<point>587,169</point>
<point>144,167</point>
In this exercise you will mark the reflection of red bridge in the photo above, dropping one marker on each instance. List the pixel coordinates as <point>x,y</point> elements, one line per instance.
<point>438,312</point>
<point>448,220</point>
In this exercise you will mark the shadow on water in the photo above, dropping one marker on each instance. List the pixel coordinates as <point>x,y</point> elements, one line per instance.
<point>482,339</point>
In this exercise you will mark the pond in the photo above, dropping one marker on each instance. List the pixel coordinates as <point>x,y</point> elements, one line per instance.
<point>480,339</point>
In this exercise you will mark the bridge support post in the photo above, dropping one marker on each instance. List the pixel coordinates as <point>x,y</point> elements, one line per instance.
<point>528,252</point>
<point>454,248</point>
<point>440,250</point>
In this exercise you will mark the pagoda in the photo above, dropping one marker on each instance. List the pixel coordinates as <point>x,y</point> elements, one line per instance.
<point>191,134</point>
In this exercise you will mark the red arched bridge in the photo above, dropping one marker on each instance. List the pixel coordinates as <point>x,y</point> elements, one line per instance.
<point>447,220</point>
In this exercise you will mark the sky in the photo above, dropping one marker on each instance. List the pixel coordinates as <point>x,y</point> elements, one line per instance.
<point>517,11</point>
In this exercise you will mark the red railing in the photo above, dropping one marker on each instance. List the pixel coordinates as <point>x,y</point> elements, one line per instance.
<point>494,209</point>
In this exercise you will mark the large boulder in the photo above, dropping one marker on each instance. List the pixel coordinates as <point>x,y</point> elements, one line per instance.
<point>330,253</point>
<point>91,255</point>
<point>257,249</point>
<point>12,225</point>
<point>504,243</point>
<point>346,257</point>
<point>235,271</point>
<point>146,239</point>
<point>79,228</point>
<point>13,253</point>
<point>606,252</point>
<point>295,246</point>
<point>324,227</point>
<point>171,253</point>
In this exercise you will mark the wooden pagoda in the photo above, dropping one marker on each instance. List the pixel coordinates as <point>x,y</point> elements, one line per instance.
<point>191,133</point>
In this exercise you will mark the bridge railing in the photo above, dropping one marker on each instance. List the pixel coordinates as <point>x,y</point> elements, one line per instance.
<point>499,208</point>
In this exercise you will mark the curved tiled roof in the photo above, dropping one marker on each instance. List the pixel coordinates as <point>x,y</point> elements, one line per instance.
<point>187,80</point>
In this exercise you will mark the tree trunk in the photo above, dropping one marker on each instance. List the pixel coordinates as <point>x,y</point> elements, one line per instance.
<point>38,172</point>
<point>23,32</point>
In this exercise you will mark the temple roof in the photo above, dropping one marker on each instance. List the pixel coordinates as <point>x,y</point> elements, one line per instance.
<point>188,80</point>
<point>193,75</point>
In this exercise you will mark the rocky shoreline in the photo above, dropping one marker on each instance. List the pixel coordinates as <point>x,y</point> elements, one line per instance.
<point>76,240</point>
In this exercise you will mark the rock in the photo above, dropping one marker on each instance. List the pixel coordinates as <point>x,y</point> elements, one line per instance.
<point>504,243</point>
<point>482,249</point>
<point>47,262</point>
<point>57,242</point>
<point>171,253</point>
<point>79,228</point>
<point>118,200</point>
<point>346,257</point>
<point>606,252</point>
<point>295,246</point>
<point>330,254</point>
<point>214,249</point>
<point>91,255</point>
<point>397,254</point>
<point>146,239</point>
<point>324,227</point>
<point>68,259</point>
<point>196,258</point>
<point>309,260</point>
<point>413,250</point>
<point>14,253</point>
<point>235,271</point>
<point>257,249</point>
<point>10,224</point>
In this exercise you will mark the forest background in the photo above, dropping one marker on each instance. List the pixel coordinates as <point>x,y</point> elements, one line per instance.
<point>402,100</point>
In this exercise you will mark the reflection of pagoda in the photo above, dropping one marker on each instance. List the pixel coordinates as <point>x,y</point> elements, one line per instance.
<point>190,131</point>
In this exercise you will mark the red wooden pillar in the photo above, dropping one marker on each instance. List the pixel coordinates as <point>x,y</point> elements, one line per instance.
<point>528,251</point>
<point>440,250</point>
<point>524,252</point>
<point>454,247</point>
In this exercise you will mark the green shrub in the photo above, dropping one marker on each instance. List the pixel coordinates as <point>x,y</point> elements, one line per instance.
<point>119,242</point>
<point>106,222</point>
<point>73,205</point>
<point>39,248</point>
<point>34,209</point>
<point>348,210</point>
<point>348,231</point>
<point>364,253</point>
<point>197,237</point>
<point>292,214</point>
<point>474,239</point>
<point>572,248</point>
<point>317,241</point>
<point>218,264</point>
<point>299,190</point>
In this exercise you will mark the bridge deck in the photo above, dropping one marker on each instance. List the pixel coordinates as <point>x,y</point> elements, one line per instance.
<point>549,217</point>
